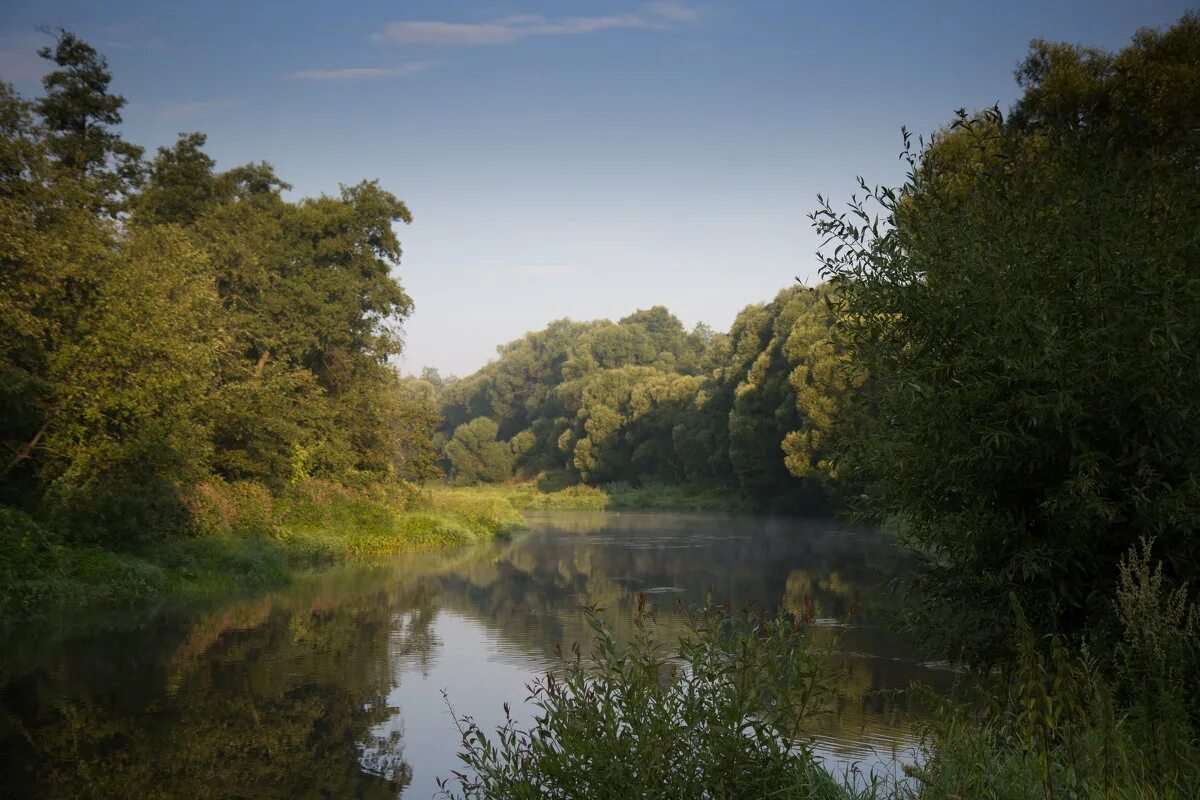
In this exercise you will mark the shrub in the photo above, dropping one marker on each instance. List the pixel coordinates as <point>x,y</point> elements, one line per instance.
<point>488,512</point>
<point>571,498</point>
<point>1068,723</point>
<point>1158,658</point>
<point>720,716</point>
<point>218,507</point>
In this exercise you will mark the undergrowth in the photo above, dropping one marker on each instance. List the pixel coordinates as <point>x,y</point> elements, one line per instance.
<point>616,496</point>
<point>243,538</point>
<point>1102,723</point>
<point>673,497</point>
<point>528,497</point>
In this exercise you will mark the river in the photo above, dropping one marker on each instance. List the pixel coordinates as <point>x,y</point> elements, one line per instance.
<point>333,686</point>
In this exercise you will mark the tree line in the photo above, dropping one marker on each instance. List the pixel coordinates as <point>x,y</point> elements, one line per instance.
<point>164,322</point>
<point>645,401</point>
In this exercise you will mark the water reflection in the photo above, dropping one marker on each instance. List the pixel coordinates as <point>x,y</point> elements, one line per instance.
<point>268,698</point>
<point>333,687</point>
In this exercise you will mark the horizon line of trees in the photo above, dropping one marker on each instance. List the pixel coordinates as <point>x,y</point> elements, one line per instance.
<point>644,401</point>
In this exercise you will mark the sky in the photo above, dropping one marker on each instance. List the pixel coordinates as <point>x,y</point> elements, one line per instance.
<point>568,159</point>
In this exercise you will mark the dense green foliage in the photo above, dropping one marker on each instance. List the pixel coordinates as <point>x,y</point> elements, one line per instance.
<point>1071,724</point>
<point>1028,309</point>
<point>719,716</point>
<point>195,391</point>
<point>644,402</point>
<point>476,455</point>
<point>164,323</point>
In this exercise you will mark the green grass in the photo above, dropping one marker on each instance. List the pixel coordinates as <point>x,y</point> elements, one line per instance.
<point>673,497</point>
<point>615,496</point>
<point>245,540</point>
<point>526,496</point>
<point>982,759</point>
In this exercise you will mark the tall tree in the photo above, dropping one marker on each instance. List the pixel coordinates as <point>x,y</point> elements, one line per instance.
<point>1026,307</point>
<point>81,116</point>
<point>56,253</point>
<point>181,184</point>
<point>128,429</point>
<point>156,333</point>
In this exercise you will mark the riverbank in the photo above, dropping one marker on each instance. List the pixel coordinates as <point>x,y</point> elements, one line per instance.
<point>244,539</point>
<point>610,497</point>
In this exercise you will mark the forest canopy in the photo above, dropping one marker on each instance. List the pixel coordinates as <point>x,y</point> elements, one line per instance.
<point>645,401</point>
<point>164,322</point>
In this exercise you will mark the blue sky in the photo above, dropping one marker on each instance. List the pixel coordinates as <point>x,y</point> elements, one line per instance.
<point>570,158</point>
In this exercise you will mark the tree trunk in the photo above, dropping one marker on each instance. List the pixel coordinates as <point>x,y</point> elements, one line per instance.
<point>27,450</point>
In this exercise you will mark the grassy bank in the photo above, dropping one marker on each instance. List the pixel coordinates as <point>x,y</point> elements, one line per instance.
<point>244,539</point>
<point>525,496</point>
<point>614,496</point>
<point>663,497</point>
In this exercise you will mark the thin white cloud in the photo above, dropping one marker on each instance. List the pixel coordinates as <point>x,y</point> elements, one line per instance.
<point>362,73</point>
<point>676,12</point>
<point>664,15</point>
<point>187,110</point>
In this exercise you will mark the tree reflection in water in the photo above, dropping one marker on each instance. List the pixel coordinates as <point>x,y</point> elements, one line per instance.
<point>275,697</point>
<point>293,694</point>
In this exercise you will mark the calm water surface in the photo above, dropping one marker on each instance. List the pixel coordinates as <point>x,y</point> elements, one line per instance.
<point>333,688</point>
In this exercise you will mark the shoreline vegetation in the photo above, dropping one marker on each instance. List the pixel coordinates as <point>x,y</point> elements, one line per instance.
<point>197,383</point>
<point>721,709</point>
<point>248,539</point>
